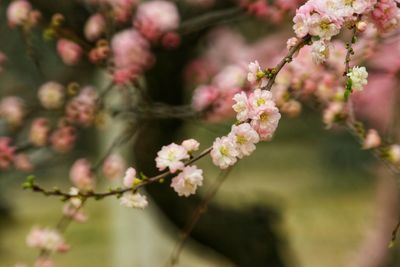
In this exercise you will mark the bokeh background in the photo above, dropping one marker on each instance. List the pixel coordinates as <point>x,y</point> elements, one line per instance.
<point>310,198</point>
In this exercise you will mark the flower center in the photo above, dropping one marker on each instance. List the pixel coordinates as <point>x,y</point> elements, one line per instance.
<point>224,151</point>
<point>348,2</point>
<point>241,140</point>
<point>264,117</point>
<point>260,101</point>
<point>324,25</point>
<point>171,156</point>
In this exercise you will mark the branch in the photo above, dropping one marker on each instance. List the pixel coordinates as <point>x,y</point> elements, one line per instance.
<point>287,59</point>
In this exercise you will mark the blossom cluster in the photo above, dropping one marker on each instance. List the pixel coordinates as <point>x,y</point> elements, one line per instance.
<point>258,118</point>
<point>21,12</point>
<point>79,111</point>
<point>324,19</point>
<point>175,157</point>
<point>46,239</point>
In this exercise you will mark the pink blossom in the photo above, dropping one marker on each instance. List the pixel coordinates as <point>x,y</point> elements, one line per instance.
<point>74,212</point>
<point>134,200</point>
<point>47,239</point>
<point>39,132</point>
<point>256,76</point>
<point>69,51</point>
<point>172,157</point>
<point>81,175</point>
<point>266,120</point>
<point>191,145</point>
<point>320,51</point>
<point>385,15</point>
<point>258,100</point>
<point>245,138</point>
<point>18,12</point>
<point>318,18</point>
<point>7,153</point>
<point>51,95</point>
<point>372,139</point>
<point>204,96</point>
<point>12,110</point>
<point>129,178</point>
<point>214,103</point>
<point>241,107</point>
<point>63,139</point>
<point>291,42</point>
<point>187,181</point>
<point>222,108</point>
<point>113,166</point>
<point>334,112</point>
<point>82,108</point>
<point>230,77</point>
<point>131,55</point>
<point>259,8</point>
<point>94,27</point>
<point>156,17</point>
<point>224,152</point>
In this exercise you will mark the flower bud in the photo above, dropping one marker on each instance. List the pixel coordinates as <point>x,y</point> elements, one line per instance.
<point>372,139</point>
<point>94,27</point>
<point>51,95</point>
<point>69,51</point>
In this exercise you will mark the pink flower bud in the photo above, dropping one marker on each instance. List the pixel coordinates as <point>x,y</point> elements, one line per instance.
<point>63,139</point>
<point>191,145</point>
<point>361,26</point>
<point>372,139</point>
<point>69,51</point>
<point>94,27</point>
<point>129,178</point>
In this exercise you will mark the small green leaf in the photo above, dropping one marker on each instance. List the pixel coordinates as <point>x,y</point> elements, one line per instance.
<point>143,176</point>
